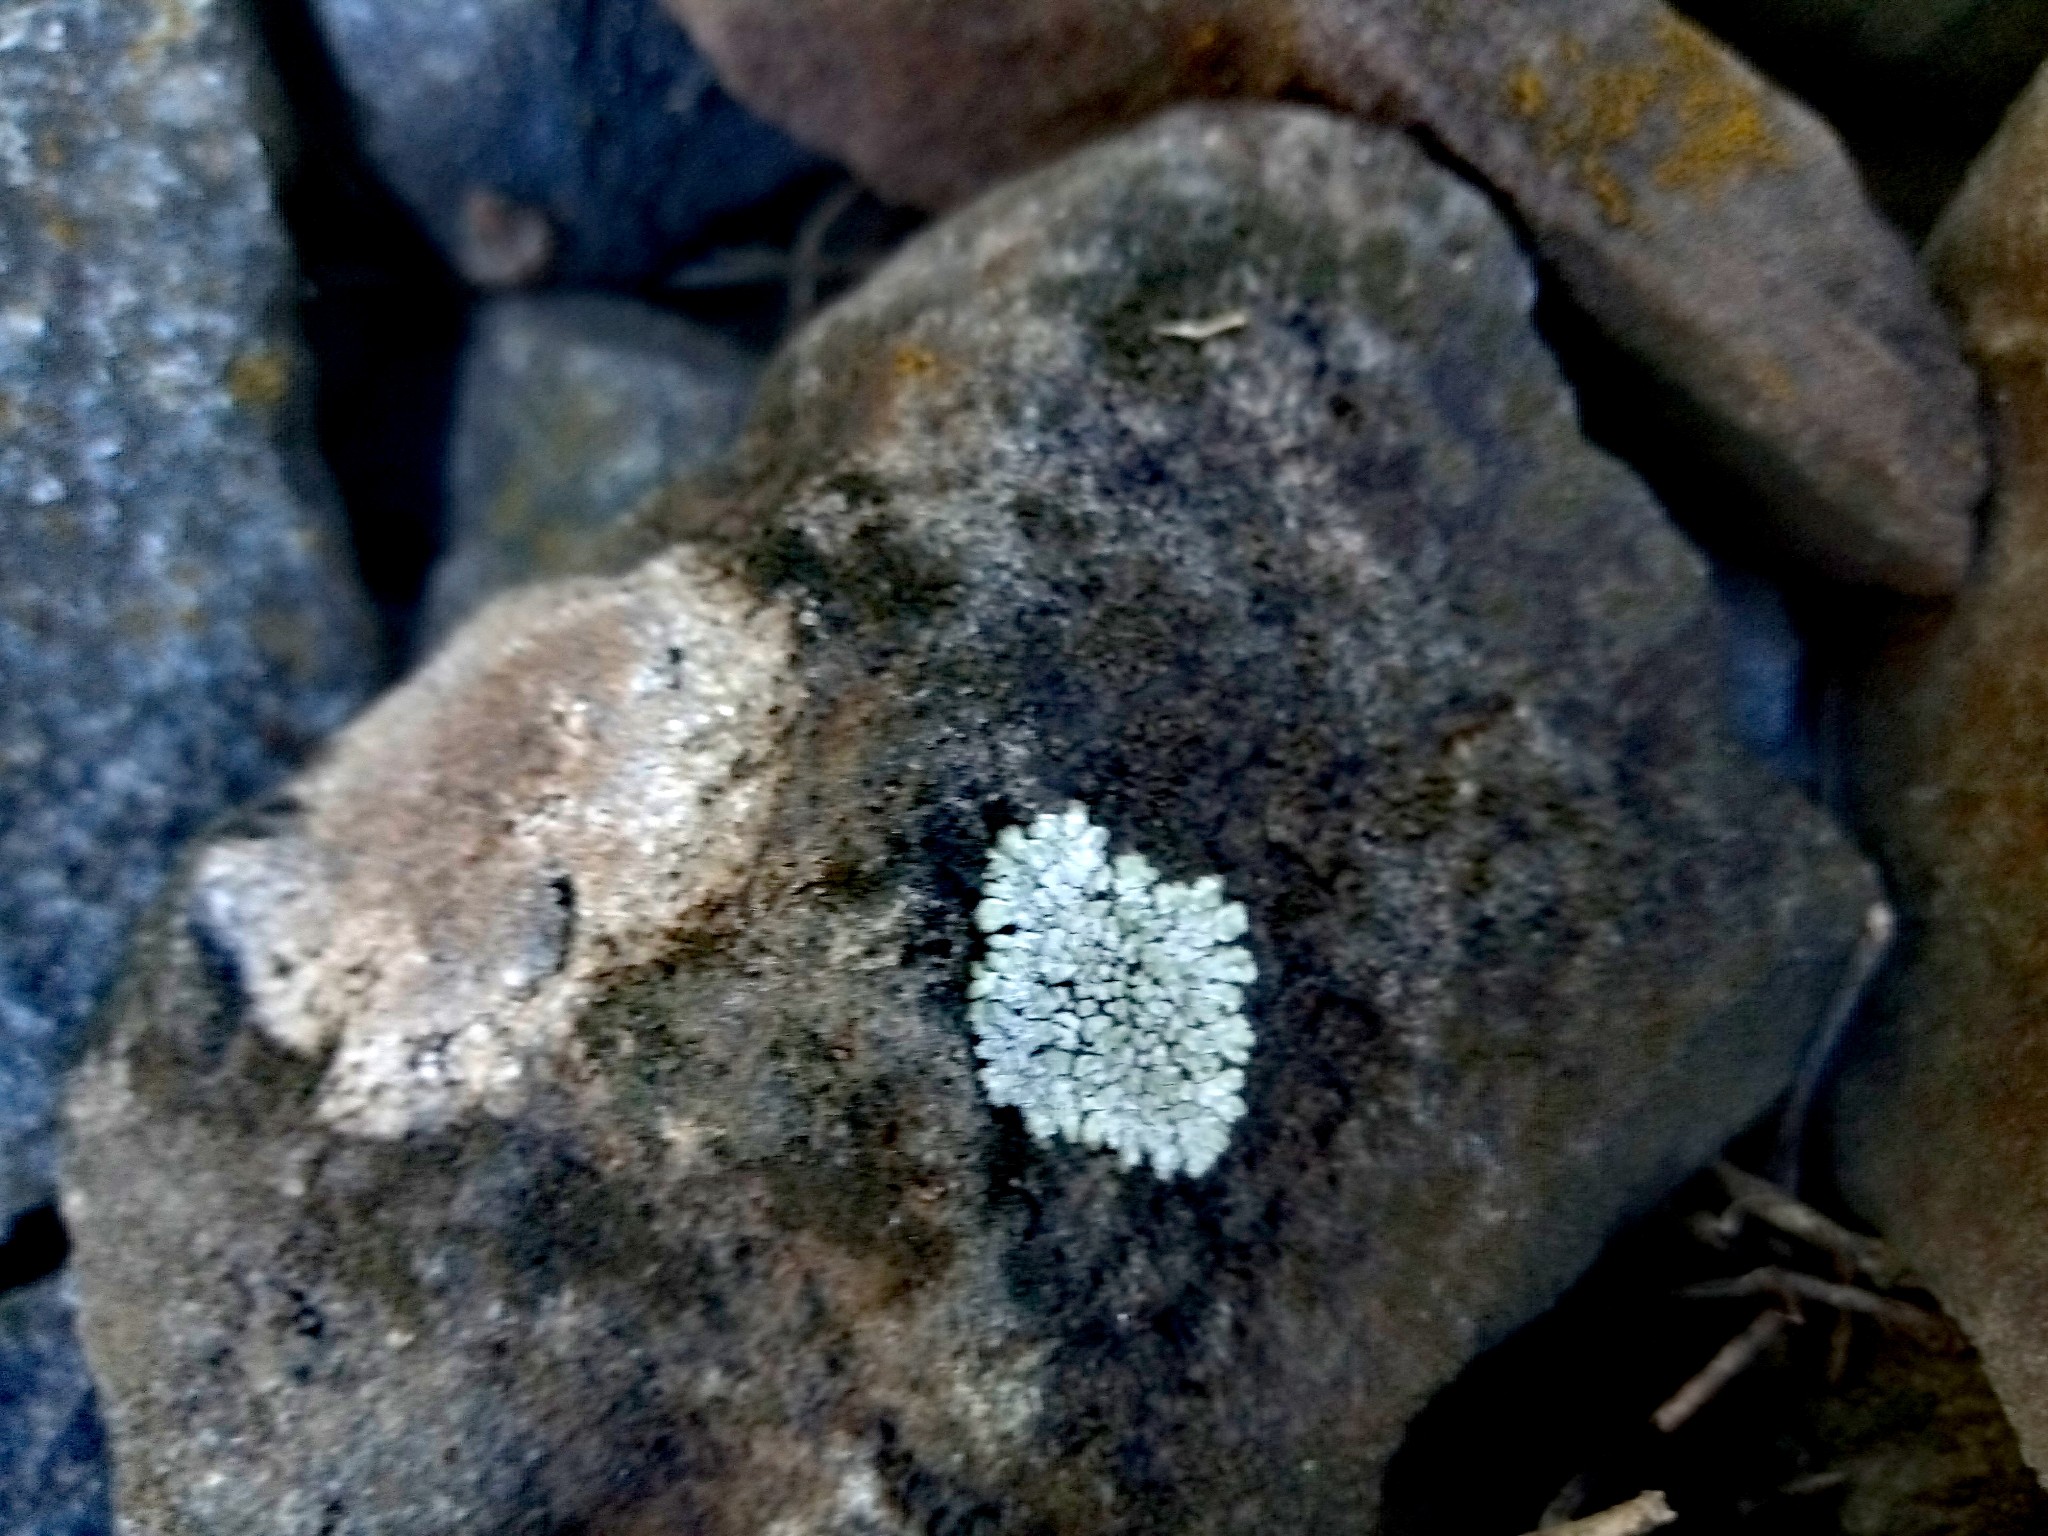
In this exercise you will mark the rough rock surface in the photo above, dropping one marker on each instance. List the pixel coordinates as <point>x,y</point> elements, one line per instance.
<point>572,410</point>
<point>587,1134</point>
<point>53,1470</point>
<point>1706,221</point>
<point>1945,1122</point>
<point>584,140</point>
<point>178,614</point>
<point>1915,86</point>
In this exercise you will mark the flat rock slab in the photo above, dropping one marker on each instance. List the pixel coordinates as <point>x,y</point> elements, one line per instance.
<point>559,1111</point>
<point>1707,222</point>
<point>1945,1121</point>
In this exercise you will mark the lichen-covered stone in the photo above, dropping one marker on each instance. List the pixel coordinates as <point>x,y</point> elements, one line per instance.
<point>1710,225</point>
<point>1914,86</point>
<point>1334,604</point>
<point>1945,1123</point>
<point>572,410</point>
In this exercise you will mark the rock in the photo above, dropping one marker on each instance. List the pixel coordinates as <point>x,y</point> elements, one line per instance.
<point>1709,224</point>
<point>1944,1122</point>
<point>558,1110</point>
<point>53,1471</point>
<point>178,618</point>
<point>552,137</point>
<point>1915,86</point>
<point>571,411</point>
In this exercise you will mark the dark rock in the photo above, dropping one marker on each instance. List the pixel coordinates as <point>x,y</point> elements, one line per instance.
<point>579,138</point>
<point>1706,222</point>
<point>572,411</point>
<point>562,1113</point>
<point>1944,1122</point>
<point>53,1470</point>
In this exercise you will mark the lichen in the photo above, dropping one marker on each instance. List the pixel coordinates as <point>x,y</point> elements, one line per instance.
<point>1108,1008</point>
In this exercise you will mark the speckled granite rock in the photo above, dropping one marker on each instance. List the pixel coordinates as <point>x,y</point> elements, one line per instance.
<point>558,1111</point>
<point>1945,1122</point>
<point>178,614</point>
<point>1707,222</point>
<point>572,410</point>
<point>178,617</point>
<point>53,1470</point>
<point>583,139</point>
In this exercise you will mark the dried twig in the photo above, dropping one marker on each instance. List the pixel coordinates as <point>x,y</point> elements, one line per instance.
<point>1791,1284</point>
<point>1735,1357</point>
<point>1203,330</point>
<point>1817,1062</point>
<point>1768,1203</point>
<point>1565,1507</point>
<point>1644,1512</point>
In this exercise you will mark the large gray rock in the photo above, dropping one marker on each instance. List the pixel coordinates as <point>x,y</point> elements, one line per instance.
<point>1708,224</point>
<point>572,410</point>
<point>559,1110</point>
<point>583,140</point>
<point>178,615</point>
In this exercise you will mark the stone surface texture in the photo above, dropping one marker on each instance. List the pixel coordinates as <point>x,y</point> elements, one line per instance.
<point>178,613</point>
<point>1707,222</point>
<point>179,618</point>
<point>53,1470</point>
<point>572,410</point>
<point>1335,604</point>
<point>1945,1120</point>
<point>583,139</point>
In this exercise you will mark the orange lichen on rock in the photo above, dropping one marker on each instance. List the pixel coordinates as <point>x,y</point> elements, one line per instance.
<point>1687,97</point>
<point>1723,132</point>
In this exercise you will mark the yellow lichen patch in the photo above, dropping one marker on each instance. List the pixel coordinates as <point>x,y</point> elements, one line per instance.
<point>1685,102</point>
<point>1773,380</point>
<point>1723,133</point>
<point>1528,96</point>
<point>1608,190</point>
<point>911,361</point>
<point>63,231</point>
<point>171,22</point>
<point>259,380</point>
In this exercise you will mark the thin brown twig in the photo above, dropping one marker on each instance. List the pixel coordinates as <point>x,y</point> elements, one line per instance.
<point>1770,1204</point>
<point>1787,1284</point>
<point>1644,1512</point>
<point>1734,1357</point>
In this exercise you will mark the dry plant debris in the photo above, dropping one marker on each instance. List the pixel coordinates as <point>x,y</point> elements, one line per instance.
<point>1644,1512</point>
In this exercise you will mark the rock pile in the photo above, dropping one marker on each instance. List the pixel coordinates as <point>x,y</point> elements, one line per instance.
<point>558,1108</point>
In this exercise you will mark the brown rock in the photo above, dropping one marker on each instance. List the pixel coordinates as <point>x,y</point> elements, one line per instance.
<point>1945,1124</point>
<point>411,1196</point>
<point>1708,223</point>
